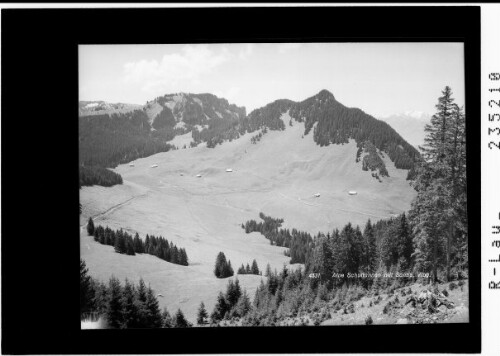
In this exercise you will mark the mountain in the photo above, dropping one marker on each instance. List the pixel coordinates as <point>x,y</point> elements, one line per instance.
<point>111,134</point>
<point>410,125</point>
<point>333,123</point>
<point>209,118</point>
<point>117,133</point>
<point>86,108</point>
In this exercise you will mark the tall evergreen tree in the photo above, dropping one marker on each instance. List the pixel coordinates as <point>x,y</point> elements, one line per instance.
<point>114,307</point>
<point>152,305</point>
<point>138,245</point>
<point>220,265</point>
<point>322,261</point>
<point>438,216</point>
<point>220,309</point>
<point>130,314</point>
<point>405,245</point>
<point>179,320</point>
<point>90,227</point>
<point>268,270</point>
<point>120,244</point>
<point>370,243</point>
<point>141,298</point>
<point>167,320</point>
<point>86,289</point>
<point>255,267</point>
<point>243,306</point>
<point>202,315</point>
<point>233,293</point>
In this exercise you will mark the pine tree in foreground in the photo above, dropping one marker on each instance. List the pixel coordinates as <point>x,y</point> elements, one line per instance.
<point>202,314</point>
<point>180,320</point>
<point>220,309</point>
<point>152,306</point>
<point>130,314</point>
<point>243,306</point>
<point>114,307</point>
<point>86,289</point>
<point>167,320</point>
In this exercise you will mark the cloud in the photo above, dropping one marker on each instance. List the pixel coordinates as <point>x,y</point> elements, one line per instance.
<point>286,47</point>
<point>174,70</point>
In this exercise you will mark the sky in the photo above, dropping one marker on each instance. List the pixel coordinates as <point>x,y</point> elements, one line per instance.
<point>380,78</point>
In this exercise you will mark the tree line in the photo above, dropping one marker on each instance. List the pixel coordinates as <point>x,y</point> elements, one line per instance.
<point>124,243</point>
<point>298,242</point>
<point>124,306</point>
<point>234,303</point>
<point>250,270</point>
<point>109,140</point>
<point>95,175</point>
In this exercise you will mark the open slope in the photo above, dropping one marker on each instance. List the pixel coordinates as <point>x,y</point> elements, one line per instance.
<point>278,176</point>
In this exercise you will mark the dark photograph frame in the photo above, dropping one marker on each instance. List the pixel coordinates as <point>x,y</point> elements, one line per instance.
<point>40,78</point>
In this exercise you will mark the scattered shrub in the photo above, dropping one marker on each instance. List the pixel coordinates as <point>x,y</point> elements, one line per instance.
<point>368,320</point>
<point>452,285</point>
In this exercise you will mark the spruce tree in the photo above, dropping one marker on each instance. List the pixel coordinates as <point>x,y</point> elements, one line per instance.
<point>152,305</point>
<point>130,247</point>
<point>220,264</point>
<point>100,300</point>
<point>243,306</point>
<point>86,289</point>
<point>138,246</point>
<point>90,227</point>
<point>220,309</point>
<point>141,298</point>
<point>233,293</point>
<point>180,320</point>
<point>183,259</point>
<point>268,270</point>
<point>202,314</point>
<point>120,245</point>
<point>241,270</point>
<point>167,320</point>
<point>129,307</point>
<point>255,267</point>
<point>405,245</point>
<point>114,307</point>
<point>370,250</point>
<point>229,270</point>
<point>438,216</point>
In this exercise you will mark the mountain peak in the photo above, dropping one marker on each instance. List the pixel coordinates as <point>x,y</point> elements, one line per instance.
<point>325,94</point>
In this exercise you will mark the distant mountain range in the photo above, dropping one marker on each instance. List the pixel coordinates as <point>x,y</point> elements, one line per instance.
<point>112,134</point>
<point>410,125</point>
<point>101,107</point>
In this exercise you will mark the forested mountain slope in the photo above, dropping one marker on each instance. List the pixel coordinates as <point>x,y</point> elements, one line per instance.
<point>333,123</point>
<point>110,139</point>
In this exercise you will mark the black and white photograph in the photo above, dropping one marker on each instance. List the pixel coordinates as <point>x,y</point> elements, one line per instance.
<point>272,184</point>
